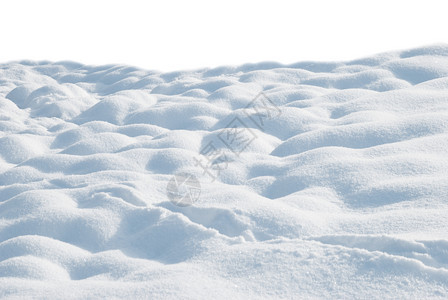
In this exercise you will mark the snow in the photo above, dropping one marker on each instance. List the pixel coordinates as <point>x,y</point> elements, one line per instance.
<point>338,190</point>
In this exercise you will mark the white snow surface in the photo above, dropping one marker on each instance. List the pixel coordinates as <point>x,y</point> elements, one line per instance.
<point>341,193</point>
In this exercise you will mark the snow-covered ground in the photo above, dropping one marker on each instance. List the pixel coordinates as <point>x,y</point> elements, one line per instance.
<point>311,180</point>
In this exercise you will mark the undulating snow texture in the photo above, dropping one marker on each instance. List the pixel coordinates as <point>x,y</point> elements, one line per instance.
<point>317,180</point>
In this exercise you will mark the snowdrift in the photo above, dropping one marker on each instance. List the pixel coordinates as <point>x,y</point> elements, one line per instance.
<point>322,180</point>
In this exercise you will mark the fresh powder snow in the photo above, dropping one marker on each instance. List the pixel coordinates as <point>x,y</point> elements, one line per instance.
<point>311,180</point>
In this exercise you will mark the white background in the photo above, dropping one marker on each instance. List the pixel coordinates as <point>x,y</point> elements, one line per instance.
<point>172,35</point>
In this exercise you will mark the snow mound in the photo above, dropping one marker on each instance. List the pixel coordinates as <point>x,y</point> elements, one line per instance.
<point>316,180</point>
